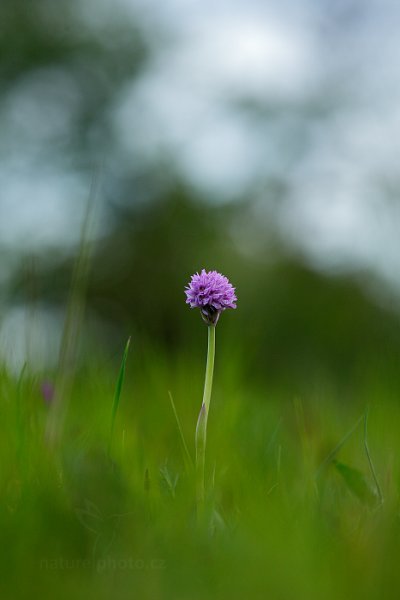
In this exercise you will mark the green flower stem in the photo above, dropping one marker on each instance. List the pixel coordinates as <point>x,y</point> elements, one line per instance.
<point>201,429</point>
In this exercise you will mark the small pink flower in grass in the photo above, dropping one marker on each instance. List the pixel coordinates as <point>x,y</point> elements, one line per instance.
<point>212,293</point>
<point>47,389</point>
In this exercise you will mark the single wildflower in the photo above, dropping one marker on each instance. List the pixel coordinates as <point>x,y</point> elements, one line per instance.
<point>212,293</point>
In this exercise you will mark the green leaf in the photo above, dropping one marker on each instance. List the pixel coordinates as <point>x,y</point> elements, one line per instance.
<point>357,483</point>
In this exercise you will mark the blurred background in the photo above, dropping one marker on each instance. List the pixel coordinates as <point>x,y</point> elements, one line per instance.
<point>259,139</point>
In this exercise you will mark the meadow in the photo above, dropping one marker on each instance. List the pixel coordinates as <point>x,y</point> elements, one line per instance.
<point>140,143</point>
<point>302,497</point>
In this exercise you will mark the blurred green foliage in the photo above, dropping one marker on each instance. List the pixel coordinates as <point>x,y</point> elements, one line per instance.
<point>285,521</point>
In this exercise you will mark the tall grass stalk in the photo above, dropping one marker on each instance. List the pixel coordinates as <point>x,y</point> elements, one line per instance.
<point>117,395</point>
<point>72,328</point>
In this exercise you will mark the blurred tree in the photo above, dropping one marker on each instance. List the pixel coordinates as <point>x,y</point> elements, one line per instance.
<point>292,323</point>
<point>50,45</point>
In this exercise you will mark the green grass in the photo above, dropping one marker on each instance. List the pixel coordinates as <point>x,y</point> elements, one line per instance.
<point>286,523</point>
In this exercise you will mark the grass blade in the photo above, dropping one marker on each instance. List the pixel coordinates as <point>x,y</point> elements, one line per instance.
<point>118,389</point>
<point>188,458</point>
<point>357,483</point>
<point>72,326</point>
<point>371,464</point>
<point>328,460</point>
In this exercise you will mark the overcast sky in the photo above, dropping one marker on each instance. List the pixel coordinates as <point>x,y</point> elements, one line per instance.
<point>284,54</point>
